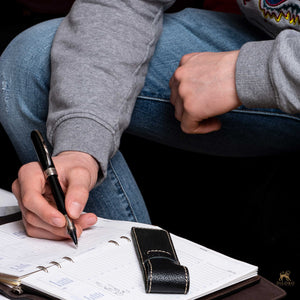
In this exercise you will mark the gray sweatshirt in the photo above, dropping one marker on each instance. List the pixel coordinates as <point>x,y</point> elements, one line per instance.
<point>267,73</point>
<point>99,62</point>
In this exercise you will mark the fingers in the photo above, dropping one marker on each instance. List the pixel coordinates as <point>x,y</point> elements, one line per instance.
<point>178,89</point>
<point>36,227</point>
<point>34,196</point>
<point>185,58</point>
<point>190,126</point>
<point>34,224</point>
<point>175,98</point>
<point>40,215</point>
<point>197,93</point>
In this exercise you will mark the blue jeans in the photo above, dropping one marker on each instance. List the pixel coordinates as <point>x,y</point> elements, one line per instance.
<point>25,74</point>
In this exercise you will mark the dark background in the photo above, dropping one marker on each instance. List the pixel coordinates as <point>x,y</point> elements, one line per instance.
<point>244,207</point>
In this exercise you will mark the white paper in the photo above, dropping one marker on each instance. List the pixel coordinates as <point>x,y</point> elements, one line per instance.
<point>104,270</point>
<point>8,203</point>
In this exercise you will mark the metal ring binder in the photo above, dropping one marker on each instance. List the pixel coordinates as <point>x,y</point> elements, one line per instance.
<point>114,242</point>
<point>55,263</point>
<point>68,258</point>
<point>42,268</point>
<point>17,290</point>
<point>16,282</point>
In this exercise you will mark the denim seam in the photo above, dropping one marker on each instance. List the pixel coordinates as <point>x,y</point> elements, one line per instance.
<point>124,192</point>
<point>4,91</point>
<point>264,113</point>
<point>155,99</point>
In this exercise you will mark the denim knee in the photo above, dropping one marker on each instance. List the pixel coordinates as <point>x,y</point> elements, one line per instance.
<point>25,63</point>
<point>24,77</point>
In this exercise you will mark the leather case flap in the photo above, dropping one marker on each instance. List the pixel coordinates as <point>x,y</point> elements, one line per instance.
<point>161,268</point>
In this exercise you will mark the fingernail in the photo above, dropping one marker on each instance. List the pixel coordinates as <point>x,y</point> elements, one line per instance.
<point>58,222</point>
<point>75,209</point>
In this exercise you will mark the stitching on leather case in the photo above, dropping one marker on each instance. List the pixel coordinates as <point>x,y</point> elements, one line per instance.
<point>185,269</point>
<point>170,241</point>
<point>149,285</point>
<point>186,279</point>
<point>157,250</point>
<point>151,277</point>
<point>140,253</point>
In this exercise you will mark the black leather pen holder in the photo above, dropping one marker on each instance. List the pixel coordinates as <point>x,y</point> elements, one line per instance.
<point>160,266</point>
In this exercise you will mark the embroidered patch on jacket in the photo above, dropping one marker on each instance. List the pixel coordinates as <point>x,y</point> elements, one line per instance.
<point>281,9</point>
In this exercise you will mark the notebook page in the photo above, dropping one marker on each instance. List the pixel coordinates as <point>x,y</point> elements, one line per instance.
<point>103,270</point>
<point>114,273</point>
<point>20,254</point>
<point>209,270</point>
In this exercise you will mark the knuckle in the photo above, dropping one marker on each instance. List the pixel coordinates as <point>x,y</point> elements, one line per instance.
<point>29,168</point>
<point>178,74</point>
<point>184,58</point>
<point>80,172</point>
<point>183,91</point>
<point>26,200</point>
<point>189,104</point>
<point>22,171</point>
<point>15,186</point>
<point>30,218</point>
<point>185,128</point>
<point>30,230</point>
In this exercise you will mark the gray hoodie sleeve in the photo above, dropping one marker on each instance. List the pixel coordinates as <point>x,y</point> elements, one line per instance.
<point>267,73</point>
<point>99,61</point>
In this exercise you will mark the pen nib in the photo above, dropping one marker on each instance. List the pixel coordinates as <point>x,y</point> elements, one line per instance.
<point>73,236</point>
<point>72,230</point>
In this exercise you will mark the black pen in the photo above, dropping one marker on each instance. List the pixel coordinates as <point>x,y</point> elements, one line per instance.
<point>51,176</point>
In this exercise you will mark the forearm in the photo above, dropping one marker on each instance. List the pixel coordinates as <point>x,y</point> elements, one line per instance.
<point>99,61</point>
<point>267,75</point>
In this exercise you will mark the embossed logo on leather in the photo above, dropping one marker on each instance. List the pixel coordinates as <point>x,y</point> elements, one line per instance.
<point>285,279</point>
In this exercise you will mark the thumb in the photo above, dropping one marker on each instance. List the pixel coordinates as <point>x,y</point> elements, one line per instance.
<point>77,192</point>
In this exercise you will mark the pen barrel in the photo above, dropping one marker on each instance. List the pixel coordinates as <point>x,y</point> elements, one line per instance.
<point>58,193</point>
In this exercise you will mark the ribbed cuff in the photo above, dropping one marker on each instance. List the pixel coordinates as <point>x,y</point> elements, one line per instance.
<point>253,83</point>
<point>84,135</point>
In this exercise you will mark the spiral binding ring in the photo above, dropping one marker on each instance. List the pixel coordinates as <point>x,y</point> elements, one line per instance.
<point>114,242</point>
<point>42,268</point>
<point>17,289</point>
<point>55,263</point>
<point>125,237</point>
<point>68,258</point>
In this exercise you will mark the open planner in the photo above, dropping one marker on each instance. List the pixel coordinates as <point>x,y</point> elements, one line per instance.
<point>105,265</point>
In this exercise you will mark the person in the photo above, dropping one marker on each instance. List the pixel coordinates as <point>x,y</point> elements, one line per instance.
<point>204,81</point>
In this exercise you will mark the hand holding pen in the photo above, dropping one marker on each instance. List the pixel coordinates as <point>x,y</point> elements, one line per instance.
<point>41,217</point>
<point>52,178</point>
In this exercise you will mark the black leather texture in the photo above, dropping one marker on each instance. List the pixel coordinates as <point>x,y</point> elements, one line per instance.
<point>160,266</point>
